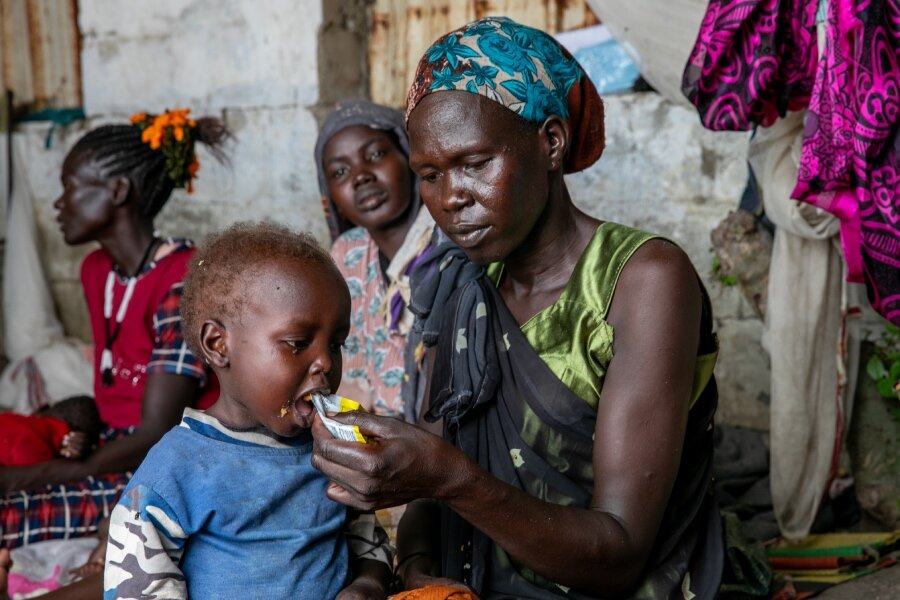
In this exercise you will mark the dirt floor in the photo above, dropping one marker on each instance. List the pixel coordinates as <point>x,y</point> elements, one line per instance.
<point>883,585</point>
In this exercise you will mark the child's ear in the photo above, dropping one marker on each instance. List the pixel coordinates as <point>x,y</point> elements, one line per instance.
<point>213,338</point>
<point>121,190</point>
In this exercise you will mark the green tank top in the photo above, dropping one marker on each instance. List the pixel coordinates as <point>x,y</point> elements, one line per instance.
<point>572,335</point>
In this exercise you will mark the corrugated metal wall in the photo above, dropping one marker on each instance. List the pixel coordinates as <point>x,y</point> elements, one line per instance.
<point>39,53</point>
<point>401,31</point>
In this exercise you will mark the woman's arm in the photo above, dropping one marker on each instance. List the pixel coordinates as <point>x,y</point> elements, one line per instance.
<point>165,398</point>
<point>639,435</point>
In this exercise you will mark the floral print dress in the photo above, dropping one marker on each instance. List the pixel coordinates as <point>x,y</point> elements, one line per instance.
<point>373,352</point>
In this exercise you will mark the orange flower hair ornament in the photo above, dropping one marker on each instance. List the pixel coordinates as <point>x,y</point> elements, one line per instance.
<point>173,133</point>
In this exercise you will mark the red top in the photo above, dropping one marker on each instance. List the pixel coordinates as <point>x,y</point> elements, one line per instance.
<point>150,339</point>
<point>28,440</point>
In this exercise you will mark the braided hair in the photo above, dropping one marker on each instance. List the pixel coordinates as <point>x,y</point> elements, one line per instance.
<point>120,150</point>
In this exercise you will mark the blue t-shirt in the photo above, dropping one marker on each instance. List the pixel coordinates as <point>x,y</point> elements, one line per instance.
<point>218,513</point>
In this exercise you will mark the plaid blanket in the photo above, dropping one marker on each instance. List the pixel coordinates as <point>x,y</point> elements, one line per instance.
<point>65,511</point>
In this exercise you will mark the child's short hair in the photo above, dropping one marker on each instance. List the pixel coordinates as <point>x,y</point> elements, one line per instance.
<point>225,258</point>
<point>80,412</point>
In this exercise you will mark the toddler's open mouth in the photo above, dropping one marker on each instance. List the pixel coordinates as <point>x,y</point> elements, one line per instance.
<point>301,408</point>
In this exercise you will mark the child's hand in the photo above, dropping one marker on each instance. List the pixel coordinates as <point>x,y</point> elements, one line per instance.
<point>74,444</point>
<point>92,567</point>
<point>364,587</point>
<point>97,560</point>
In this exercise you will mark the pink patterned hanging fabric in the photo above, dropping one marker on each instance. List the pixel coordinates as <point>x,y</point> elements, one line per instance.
<point>754,60</point>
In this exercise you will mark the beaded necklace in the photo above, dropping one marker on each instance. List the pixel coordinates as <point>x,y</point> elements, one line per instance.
<point>106,358</point>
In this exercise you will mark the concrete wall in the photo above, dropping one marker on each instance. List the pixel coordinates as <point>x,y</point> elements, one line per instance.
<point>252,63</point>
<point>663,172</point>
<point>269,69</point>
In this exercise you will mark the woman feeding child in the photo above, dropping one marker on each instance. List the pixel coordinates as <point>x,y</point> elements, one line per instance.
<point>573,377</point>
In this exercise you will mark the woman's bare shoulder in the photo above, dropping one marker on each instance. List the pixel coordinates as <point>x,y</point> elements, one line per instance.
<point>659,281</point>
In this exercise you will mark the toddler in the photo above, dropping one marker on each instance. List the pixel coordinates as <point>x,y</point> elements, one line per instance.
<point>68,428</point>
<point>227,505</point>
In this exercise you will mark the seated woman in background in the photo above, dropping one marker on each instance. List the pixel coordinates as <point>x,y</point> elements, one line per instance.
<point>573,377</point>
<point>380,233</point>
<point>115,180</point>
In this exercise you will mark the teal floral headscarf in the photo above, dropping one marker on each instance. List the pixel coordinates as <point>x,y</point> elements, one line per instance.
<point>521,68</point>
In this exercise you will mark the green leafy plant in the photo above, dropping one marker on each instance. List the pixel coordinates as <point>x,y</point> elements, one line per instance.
<point>884,364</point>
<point>716,266</point>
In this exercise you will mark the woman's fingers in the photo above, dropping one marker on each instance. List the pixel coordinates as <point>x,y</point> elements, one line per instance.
<point>399,463</point>
<point>376,474</point>
<point>319,431</point>
<point>372,425</point>
<point>339,493</point>
<point>334,450</point>
<point>344,496</point>
<point>355,479</point>
<point>378,457</point>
